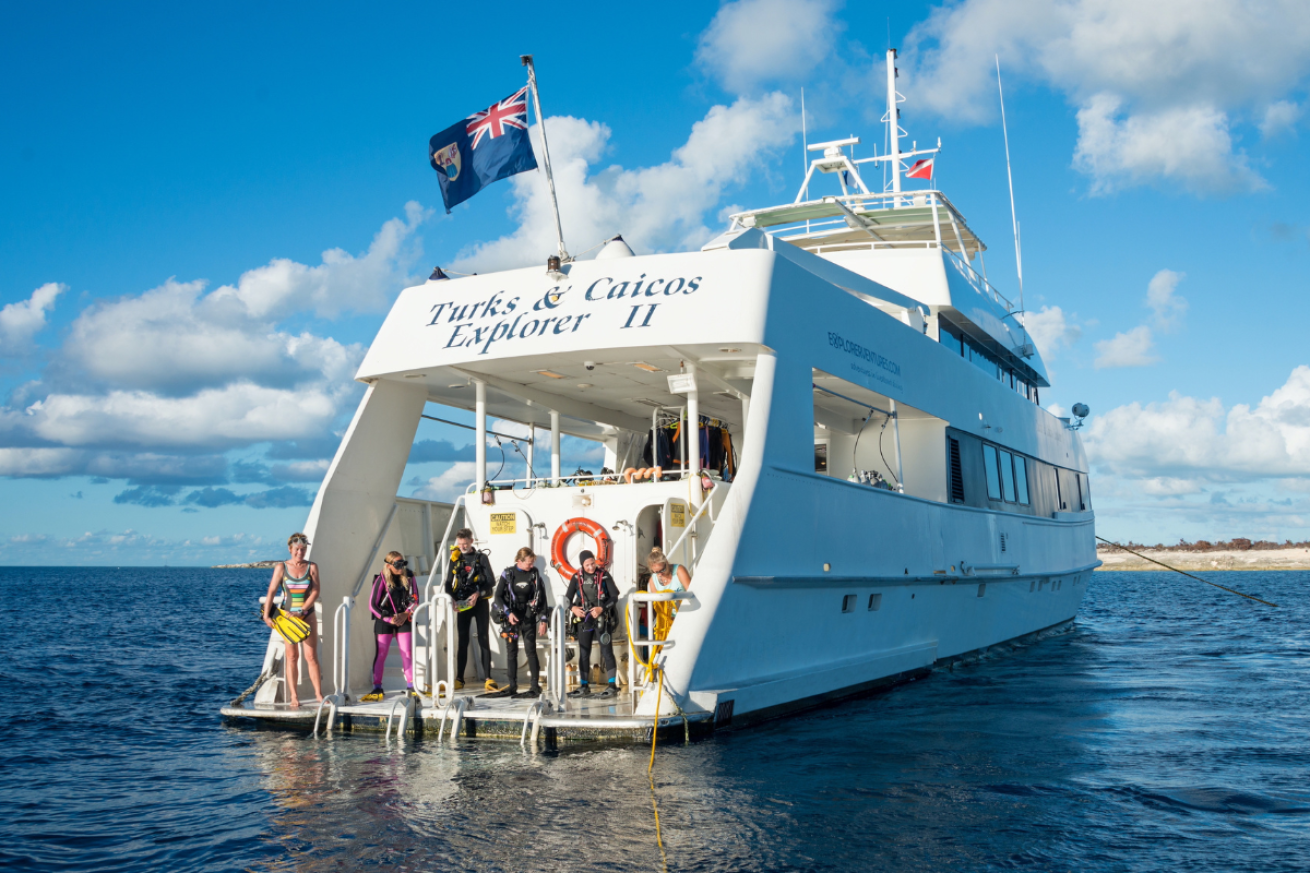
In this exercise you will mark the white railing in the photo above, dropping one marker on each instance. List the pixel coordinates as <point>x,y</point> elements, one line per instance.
<point>341,637</point>
<point>981,285</point>
<point>557,665</point>
<point>441,617</point>
<point>650,643</point>
<point>691,526</point>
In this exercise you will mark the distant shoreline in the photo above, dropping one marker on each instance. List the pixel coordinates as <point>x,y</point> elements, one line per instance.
<point>1192,560</point>
<point>257,565</point>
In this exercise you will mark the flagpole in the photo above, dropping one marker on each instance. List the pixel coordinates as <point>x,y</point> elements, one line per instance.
<point>545,151</point>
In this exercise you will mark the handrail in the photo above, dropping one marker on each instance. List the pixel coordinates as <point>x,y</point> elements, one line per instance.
<point>616,478</point>
<point>691,525</point>
<point>557,677</point>
<point>377,544</point>
<point>341,635</point>
<point>971,569</point>
<point>441,616</point>
<point>417,664</point>
<point>443,552</point>
<point>533,716</point>
<point>331,703</point>
<point>406,702</point>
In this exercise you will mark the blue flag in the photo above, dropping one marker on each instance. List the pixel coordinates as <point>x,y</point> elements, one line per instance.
<point>483,148</point>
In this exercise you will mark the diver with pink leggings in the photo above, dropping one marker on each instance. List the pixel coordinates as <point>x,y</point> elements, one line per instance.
<point>392,602</point>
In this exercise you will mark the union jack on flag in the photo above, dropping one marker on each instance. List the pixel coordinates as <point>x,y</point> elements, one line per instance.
<point>492,121</point>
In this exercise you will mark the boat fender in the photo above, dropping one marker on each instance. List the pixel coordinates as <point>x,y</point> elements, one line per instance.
<point>593,529</point>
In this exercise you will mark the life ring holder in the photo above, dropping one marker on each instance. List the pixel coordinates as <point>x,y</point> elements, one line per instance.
<point>593,529</point>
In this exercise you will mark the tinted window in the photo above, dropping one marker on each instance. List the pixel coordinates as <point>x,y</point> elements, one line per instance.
<point>1021,478</point>
<point>993,472</point>
<point>1007,475</point>
<point>951,341</point>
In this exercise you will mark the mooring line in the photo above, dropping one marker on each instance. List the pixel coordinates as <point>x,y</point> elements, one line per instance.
<point>650,772</point>
<point>1188,575</point>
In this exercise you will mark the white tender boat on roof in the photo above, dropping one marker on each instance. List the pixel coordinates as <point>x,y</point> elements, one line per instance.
<point>873,489</point>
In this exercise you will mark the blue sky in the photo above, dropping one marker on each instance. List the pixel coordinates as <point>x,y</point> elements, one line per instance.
<point>205,215</point>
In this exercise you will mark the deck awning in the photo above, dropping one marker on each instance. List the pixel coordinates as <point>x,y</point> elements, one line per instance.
<point>919,217</point>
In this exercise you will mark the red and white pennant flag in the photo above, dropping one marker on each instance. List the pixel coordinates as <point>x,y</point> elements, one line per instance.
<point>921,169</point>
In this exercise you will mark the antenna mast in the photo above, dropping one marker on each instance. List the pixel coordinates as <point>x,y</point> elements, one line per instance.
<point>894,126</point>
<point>805,144</point>
<point>1014,219</point>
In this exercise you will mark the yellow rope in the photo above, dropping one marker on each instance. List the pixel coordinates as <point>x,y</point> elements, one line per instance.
<point>650,772</point>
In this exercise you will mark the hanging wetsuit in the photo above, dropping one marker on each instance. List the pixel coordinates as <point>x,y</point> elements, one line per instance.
<point>390,600</point>
<point>589,590</point>
<point>521,593</point>
<point>467,574</point>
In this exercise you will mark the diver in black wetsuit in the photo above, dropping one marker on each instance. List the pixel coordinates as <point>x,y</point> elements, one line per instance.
<point>591,596</point>
<point>519,609</point>
<point>470,583</point>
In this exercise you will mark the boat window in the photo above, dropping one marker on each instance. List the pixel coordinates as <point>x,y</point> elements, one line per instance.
<point>1084,499</point>
<point>1021,478</point>
<point>1007,475</point>
<point>993,472</point>
<point>951,340</point>
<point>983,361</point>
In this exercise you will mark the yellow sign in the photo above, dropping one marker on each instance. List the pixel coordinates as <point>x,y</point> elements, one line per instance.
<point>677,515</point>
<point>504,522</point>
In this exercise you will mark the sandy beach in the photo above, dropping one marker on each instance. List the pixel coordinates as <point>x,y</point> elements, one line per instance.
<point>1217,559</point>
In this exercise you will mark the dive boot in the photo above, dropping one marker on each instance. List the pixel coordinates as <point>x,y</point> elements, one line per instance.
<point>609,691</point>
<point>459,684</point>
<point>534,691</point>
<point>373,696</point>
<point>582,691</point>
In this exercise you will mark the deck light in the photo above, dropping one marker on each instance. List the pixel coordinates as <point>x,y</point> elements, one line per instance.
<point>729,351</point>
<point>649,368</point>
<point>553,269</point>
<point>550,373</point>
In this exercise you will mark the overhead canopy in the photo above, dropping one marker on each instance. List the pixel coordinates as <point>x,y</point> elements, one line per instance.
<point>880,218</point>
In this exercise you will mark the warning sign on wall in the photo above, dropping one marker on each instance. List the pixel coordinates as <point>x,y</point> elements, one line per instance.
<point>677,515</point>
<point>504,522</point>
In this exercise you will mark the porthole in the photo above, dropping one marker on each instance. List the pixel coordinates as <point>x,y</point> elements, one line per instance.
<point>875,602</point>
<point>848,603</point>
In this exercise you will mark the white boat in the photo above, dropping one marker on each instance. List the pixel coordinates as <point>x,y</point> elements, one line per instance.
<point>894,496</point>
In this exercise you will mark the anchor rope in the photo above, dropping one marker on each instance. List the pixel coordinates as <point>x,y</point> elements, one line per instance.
<point>263,677</point>
<point>1188,575</point>
<point>650,772</point>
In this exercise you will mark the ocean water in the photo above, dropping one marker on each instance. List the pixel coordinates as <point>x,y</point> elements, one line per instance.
<point>1167,731</point>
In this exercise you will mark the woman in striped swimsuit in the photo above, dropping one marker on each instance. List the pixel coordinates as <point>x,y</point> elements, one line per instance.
<point>298,580</point>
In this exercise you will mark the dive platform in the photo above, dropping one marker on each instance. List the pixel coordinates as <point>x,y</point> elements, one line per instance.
<point>470,714</point>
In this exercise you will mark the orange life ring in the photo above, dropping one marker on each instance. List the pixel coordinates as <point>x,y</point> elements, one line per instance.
<point>593,529</point>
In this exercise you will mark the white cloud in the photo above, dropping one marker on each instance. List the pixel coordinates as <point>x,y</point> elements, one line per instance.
<point>21,321</point>
<point>1132,349</point>
<point>1143,76</point>
<point>1052,330</point>
<point>174,338</point>
<point>343,282</point>
<point>655,208</point>
<point>449,484</point>
<point>753,42</point>
<point>1186,145</point>
<point>1168,307</point>
<point>1188,438</point>
<point>217,418</point>
<point>1280,117</point>
<point>1168,486</point>
<point>300,471</point>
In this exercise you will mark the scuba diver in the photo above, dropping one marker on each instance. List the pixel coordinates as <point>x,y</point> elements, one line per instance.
<point>591,596</point>
<point>519,609</point>
<point>470,583</point>
<point>392,603</point>
<point>298,580</point>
